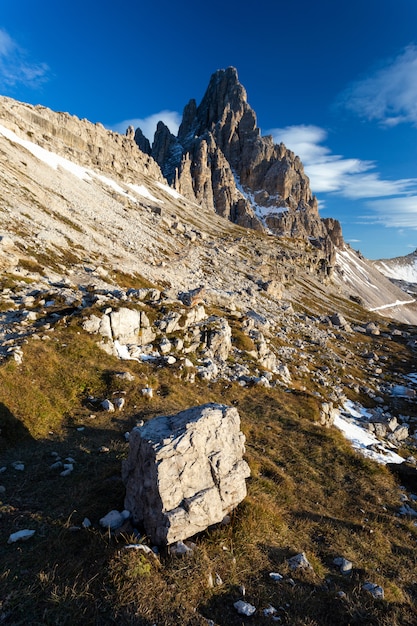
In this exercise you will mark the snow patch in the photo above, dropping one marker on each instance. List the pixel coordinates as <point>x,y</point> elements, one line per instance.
<point>389,306</point>
<point>260,211</point>
<point>144,192</point>
<point>352,268</point>
<point>169,190</point>
<point>50,158</point>
<point>362,440</point>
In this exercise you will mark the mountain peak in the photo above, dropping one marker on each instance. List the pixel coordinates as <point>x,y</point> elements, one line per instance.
<point>223,92</point>
<point>219,159</point>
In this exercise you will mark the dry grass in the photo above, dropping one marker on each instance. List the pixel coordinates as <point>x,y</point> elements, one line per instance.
<point>308,492</point>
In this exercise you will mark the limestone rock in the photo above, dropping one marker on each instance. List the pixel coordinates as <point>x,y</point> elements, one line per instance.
<point>88,144</point>
<point>299,561</point>
<point>185,472</point>
<point>328,414</point>
<point>244,608</point>
<point>125,325</point>
<point>217,335</point>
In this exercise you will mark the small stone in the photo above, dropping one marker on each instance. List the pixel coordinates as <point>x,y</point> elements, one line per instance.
<point>140,547</point>
<point>344,565</point>
<point>275,576</point>
<point>18,465</point>
<point>114,519</point>
<point>104,449</point>
<point>80,429</point>
<point>119,403</point>
<point>107,406</point>
<point>270,611</point>
<point>375,590</point>
<point>147,392</point>
<point>244,608</point>
<point>66,472</point>
<point>406,509</point>
<point>180,548</point>
<point>299,561</point>
<point>21,535</point>
<point>86,523</point>
<point>125,376</point>
<point>56,465</point>
<point>219,581</point>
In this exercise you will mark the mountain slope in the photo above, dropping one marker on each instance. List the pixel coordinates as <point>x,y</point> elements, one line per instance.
<point>400,268</point>
<point>117,291</point>
<point>108,201</point>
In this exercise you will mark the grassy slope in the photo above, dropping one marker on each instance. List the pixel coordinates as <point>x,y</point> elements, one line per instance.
<point>308,492</point>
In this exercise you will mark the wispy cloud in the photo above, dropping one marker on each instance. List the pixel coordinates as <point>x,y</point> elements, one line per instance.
<point>332,173</point>
<point>172,119</point>
<point>394,212</point>
<point>16,68</point>
<point>388,95</point>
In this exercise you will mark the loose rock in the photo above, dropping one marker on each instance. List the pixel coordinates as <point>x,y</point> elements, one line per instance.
<point>244,608</point>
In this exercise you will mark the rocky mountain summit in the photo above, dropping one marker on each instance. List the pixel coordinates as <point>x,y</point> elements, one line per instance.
<point>220,160</point>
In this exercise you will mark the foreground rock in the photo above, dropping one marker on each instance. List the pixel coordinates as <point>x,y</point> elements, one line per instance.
<point>185,472</point>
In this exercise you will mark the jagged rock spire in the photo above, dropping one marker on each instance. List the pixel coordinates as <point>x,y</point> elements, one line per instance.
<point>221,160</point>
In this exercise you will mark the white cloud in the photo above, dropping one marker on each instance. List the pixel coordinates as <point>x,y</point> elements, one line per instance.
<point>172,119</point>
<point>15,66</point>
<point>304,140</point>
<point>6,43</point>
<point>333,173</point>
<point>394,212</point>
<point>389,95</point>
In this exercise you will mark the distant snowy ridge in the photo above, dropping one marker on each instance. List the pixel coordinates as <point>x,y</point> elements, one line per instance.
<point>404,269</point>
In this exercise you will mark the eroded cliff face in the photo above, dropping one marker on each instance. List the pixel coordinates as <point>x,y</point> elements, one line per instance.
<point>219,159</point>
<point>90,145</point>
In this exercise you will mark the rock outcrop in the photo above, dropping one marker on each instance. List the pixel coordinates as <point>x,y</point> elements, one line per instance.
<point>220,160</point>
<point>185,472</point>
<point>81,141</point>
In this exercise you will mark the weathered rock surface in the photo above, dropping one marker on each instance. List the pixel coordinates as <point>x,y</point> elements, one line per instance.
<point>185,472</point>
<point>86,143</point>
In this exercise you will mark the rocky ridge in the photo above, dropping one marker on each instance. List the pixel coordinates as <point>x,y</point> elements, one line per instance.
<point>220,160</point>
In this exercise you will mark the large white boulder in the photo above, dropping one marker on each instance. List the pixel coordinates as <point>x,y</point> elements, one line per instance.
<point>185,472</point>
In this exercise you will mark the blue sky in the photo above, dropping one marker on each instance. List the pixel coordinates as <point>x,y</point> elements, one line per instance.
<point>336,81</point>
